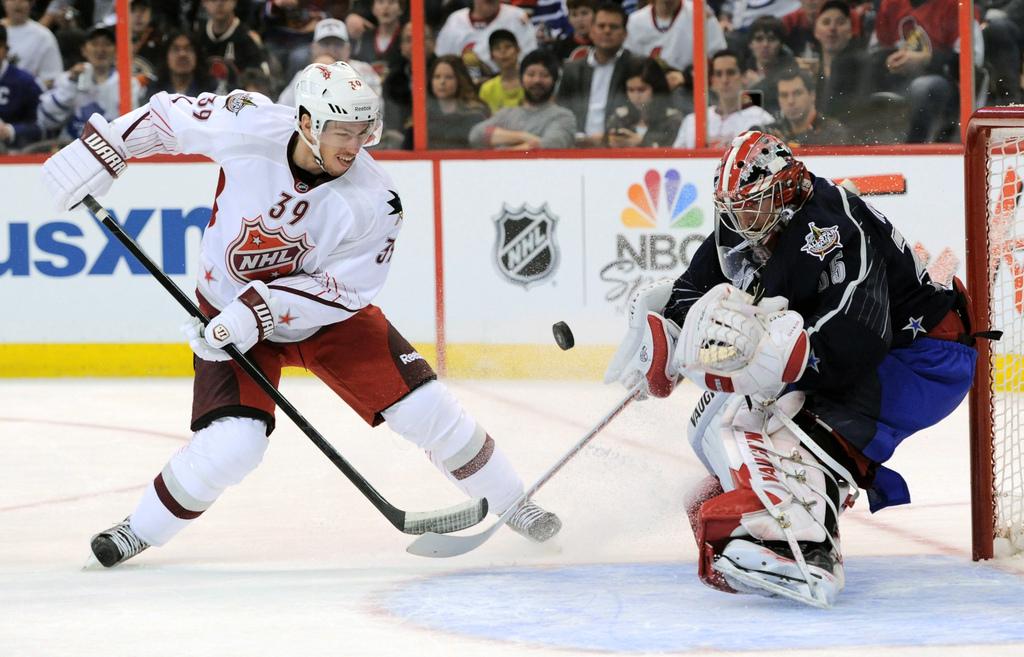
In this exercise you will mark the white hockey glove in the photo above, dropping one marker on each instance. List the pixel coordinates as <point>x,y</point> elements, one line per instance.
<point>87,165</point>
<point>728,344</point>
<point>626,365</point>
<point>243,322</point>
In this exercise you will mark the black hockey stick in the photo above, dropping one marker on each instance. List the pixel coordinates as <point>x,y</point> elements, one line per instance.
<point>440,521</point>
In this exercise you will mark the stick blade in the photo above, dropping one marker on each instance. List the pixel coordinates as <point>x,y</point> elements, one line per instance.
<point>442,521</point>
<point>441,547</point>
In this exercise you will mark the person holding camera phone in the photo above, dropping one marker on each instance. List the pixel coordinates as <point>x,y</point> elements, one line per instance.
<point>646,118</point>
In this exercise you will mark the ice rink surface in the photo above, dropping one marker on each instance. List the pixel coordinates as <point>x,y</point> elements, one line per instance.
<point>294,562</point>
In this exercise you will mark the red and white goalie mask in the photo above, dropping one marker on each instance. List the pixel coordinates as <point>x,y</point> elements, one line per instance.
<point>759,185</point>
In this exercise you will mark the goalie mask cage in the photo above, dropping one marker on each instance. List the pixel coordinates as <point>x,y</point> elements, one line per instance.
<point>994,170</point>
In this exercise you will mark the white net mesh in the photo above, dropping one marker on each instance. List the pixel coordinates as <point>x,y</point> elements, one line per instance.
<point>1006,283</point>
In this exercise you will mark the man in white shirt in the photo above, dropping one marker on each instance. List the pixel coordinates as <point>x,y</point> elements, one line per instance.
<point>466,31</point>
<point>728,117</point>
<point>664,29</point>
<point>33,47</point>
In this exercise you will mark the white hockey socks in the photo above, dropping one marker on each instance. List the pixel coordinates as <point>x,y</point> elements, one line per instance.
<point>218,456</point>
<point>431,418</point>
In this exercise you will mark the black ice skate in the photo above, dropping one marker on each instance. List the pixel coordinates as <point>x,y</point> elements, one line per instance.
<point>534,523</point>
<point>117,544</point>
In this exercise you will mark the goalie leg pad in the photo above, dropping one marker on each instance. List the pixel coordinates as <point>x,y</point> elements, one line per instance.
<point>218,456</point>
<point>778,500</point>
<point>432,418</point>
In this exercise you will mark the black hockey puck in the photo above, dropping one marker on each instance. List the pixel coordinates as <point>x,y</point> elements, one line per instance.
<point>563,336</point>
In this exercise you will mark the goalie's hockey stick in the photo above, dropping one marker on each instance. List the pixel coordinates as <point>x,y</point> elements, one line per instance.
<point>440,521</point>
<point>432,544</point>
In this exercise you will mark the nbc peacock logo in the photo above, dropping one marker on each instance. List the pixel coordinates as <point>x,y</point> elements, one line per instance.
<point>661,230</point>
<point>662,201</point>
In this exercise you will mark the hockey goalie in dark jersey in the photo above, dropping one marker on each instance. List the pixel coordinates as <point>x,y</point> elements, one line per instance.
<point>822,344</point>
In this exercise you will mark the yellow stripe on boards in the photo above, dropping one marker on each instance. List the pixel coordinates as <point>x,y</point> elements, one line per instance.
<point>479,361</point>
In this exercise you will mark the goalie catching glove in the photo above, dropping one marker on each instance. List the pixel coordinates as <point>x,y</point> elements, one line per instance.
<point>88,165</point>
<point>243,322</point>
<point>729,343</point>
<point>645,356</point>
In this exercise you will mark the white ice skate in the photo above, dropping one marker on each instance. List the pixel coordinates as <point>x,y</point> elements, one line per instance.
<point>119,543</point>
<point>751,567</point>
<point>534,523</point>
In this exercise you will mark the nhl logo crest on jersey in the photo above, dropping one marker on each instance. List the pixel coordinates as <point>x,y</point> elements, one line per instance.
<point>821,241</point>
<point>525,250</point>
<point>235,103</point>
<point>261,253</point>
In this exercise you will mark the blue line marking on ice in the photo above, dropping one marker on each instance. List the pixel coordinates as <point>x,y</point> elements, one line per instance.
<point>662,607</point>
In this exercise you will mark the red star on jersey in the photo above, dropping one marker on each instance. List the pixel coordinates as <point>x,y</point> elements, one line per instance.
<point>286,318</point>
<point>208,275</point>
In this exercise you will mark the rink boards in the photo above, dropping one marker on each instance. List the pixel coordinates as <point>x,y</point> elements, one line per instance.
<point>492,253</point>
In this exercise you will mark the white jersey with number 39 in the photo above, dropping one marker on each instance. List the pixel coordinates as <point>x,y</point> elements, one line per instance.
<point>324,250</point>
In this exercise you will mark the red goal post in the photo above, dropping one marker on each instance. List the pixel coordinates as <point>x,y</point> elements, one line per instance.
<point>993,170</point>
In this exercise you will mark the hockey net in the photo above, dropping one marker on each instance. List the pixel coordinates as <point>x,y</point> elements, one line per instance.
<point>994,180</point>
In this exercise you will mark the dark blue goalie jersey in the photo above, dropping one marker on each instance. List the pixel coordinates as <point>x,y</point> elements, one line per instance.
<point>844,267</point>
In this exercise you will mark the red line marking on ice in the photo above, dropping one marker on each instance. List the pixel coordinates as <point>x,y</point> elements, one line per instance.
<point>85,425</point>
<point>72,498</point>
<point>910,535</point>
<point>91,425</point>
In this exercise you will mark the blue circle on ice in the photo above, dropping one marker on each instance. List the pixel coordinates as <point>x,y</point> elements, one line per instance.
<point>662,607</point>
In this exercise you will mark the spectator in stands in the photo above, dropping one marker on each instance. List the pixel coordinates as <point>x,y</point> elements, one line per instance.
<point>466,30</point>
<point>227,45</point>
<point>19,102</point>
<point>183,69</point>
<point>287,26</point>
<point>766,59</point>
<point>147,42</point>
<point>538,122</point>
<point>331,44</point>
<point>33,48</point>
<point>397,89</point>
<point>647,118</point>
<point>664,29</point>
<point>380,46</point>
<point>256,79</point>
<point>1003,34</point>
<point>87,87</point>
<point>841,72</point>
<point>799,27</point>
<point>453,107</point>
<point>504,89</point>
<point>550,19</point>
<point>591,87</point>
<point>78,15</point>
<point>800,123</point>
<point>576,45</point>
<point>916,59</point>
<point>737,16</point>
<point>730,115</point>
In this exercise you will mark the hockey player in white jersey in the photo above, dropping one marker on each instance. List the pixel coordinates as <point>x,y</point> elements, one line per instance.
<point>299,243</point>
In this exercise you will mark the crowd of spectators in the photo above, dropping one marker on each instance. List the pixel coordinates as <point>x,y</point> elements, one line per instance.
<point>527,74</point>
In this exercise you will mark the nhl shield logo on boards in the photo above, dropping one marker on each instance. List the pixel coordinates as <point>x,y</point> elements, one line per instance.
<point>525,250</point>
<point>261,253</point>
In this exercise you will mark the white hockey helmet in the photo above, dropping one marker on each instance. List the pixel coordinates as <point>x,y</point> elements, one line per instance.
<point>335,92</point>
